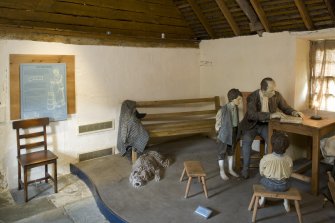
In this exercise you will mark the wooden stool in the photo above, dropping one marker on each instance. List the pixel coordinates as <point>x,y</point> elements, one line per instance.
<point>260,191</point>
<point>194,169</point>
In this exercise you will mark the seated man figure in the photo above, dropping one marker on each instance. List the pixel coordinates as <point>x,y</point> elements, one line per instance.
<point>262,105</point>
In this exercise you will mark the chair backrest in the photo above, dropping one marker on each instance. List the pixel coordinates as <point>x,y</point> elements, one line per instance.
<point>245,95</point>
<point>28,124</point>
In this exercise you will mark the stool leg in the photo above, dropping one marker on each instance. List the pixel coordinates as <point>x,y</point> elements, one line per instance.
<point>251,202</point>
<point>255,209</point>
<point>182,175</point>
<point>204,186</point>
<point>188,186</point>
<point>297,208</point>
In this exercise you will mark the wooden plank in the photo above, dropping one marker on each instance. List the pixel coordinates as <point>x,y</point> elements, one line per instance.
<point>331,9</point>
<point>177,115</point>
<point>79,38</point>
<point>129,5</point>
<point>304,14</point>
<point>226,13</point>
<point>65,22</point>
<point>261,14</point>
<point>174,132</point>
<point>165,103</point>
<point>180,124</point>
<point>16,59</point>
<point>44,4</point>
<point>78,10</point>
<point>201,18</point>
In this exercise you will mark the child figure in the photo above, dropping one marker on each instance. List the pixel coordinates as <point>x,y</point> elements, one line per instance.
<point>226,125</point>
<point>276,168</point>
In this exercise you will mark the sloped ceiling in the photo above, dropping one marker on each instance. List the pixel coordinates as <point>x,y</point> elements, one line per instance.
<point>167,23</point>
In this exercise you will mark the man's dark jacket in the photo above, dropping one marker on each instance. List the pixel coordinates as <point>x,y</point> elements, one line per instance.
<point>254,106</point>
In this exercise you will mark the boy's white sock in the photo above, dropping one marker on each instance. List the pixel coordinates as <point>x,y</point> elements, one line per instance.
<point>287,205</point>
<point>261,201</point>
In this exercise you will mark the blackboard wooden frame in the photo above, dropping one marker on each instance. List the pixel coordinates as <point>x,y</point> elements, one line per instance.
<point>16,59</point>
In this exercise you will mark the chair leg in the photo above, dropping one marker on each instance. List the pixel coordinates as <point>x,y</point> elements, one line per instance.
<point>46,173</point>
<point>25,184</point>
<point>182,175</point>
<point>297,208</point>
<point>55,177</point>
<point>261,149</point>
<point>255,209</point>
<point>188,186</point>
<point>19,176</point>
<point>204,186</point>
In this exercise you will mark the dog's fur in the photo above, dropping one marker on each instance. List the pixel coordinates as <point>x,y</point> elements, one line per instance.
<point>147,166</point>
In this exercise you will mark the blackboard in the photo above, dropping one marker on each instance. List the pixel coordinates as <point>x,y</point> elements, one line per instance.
<point>43,91</point>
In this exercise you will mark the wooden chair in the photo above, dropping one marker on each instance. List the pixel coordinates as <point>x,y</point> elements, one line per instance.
<point>26,140</point>
<point>254,156</point>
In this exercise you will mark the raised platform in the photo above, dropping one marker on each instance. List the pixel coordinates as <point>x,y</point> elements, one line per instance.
<point>164,201</point>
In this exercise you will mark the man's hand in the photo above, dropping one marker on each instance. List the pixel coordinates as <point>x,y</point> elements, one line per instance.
<point>277,115</point>
<point>297,114</point>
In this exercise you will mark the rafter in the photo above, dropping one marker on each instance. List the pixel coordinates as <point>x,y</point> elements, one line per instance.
<point>255,24</point>
<point>304,14</point>
<point>261,14</point>
<point>226,13</point>
<point>202,18</point>
<point>331,9</point>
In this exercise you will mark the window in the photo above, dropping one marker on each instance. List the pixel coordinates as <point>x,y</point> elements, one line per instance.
<point>322,76</point>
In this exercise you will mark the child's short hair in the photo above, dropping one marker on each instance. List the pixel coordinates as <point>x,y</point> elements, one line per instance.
<point>233,94</point>
<point>279,142</point>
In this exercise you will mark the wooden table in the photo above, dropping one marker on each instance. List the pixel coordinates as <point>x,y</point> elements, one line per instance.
<point>316,129</point>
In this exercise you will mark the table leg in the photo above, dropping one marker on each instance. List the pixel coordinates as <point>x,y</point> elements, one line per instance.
<point>315,164</point>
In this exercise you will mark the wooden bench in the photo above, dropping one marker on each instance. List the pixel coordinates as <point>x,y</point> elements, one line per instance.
<point>171,119</point>
<point>260,191</point>
<point>194,169</point>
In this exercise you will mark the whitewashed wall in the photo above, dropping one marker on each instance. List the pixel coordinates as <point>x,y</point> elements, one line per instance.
<point>242,62</point>
<point>105,76</point>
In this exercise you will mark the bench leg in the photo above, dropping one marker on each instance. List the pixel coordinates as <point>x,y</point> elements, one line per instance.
<point>255,209</point>
<point>297,208</point>
<point>251,202</point>
<point>204,186</point>
<point>188,186</point>
<point>182,175</point>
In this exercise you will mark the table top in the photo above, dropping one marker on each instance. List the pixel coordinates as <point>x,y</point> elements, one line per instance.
<point>328,118</point>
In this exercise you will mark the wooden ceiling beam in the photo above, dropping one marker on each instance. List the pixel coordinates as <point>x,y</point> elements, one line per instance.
<point>331,9</point>
<point>201,18</point>
<point>226,13</point>
<point>304,14</point>
<point>255,24</point>
<point>261,14</point>
<point>83,38</point>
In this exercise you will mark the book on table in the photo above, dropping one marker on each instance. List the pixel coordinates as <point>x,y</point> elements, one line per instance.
<point>291,119</point>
